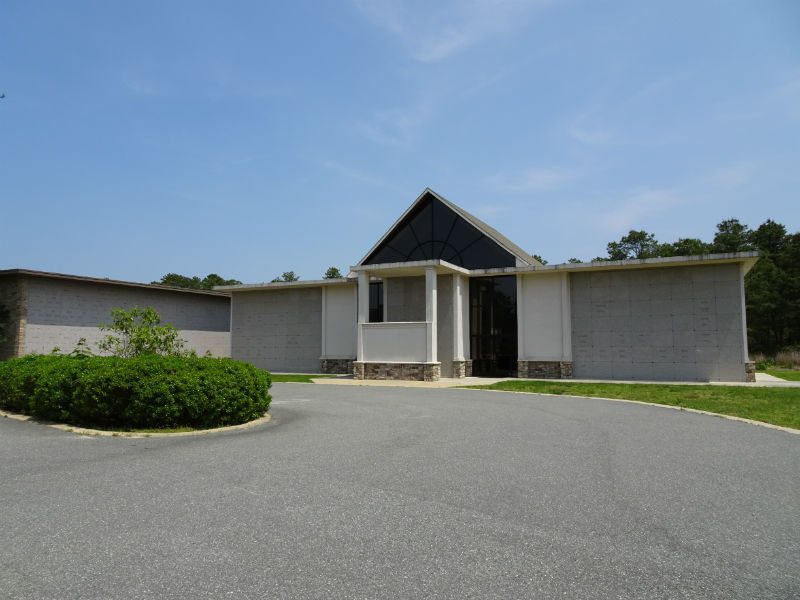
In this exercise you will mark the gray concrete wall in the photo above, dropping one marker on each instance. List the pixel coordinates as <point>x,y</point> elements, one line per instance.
<point>444,316</point>
<point>404,298</point>
<point>60,312</point>
<point>278,330</point>
<point>676,323</point>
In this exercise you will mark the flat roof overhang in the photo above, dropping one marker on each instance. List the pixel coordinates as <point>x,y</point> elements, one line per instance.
<point>416,268</point>
<point>411,268</point>
<point>104,281</point>
<point>747,258</point>
<point>283,285</point>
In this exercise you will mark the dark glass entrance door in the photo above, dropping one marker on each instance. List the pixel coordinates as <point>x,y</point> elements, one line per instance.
<point>493,325</point>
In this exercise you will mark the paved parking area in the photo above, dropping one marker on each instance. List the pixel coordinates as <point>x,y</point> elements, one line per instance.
<point>366,492</point>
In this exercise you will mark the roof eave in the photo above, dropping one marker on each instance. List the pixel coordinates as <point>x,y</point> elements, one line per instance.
<point>282,285</point>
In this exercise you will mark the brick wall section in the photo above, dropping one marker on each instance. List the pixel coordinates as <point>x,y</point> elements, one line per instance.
<point>397,371</point>
<point>676,323</point>
<point>336,366</point>
<point>279,330</point>
<point>544,369</point>
<point>61,311</point>
<point>13,294</point>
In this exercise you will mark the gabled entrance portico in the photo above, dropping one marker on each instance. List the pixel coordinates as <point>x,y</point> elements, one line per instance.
<point>423,337</point>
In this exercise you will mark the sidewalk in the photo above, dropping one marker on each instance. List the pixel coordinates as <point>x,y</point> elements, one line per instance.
<point>762,380</point>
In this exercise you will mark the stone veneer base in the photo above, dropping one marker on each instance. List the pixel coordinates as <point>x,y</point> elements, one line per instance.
<point>336,366</point>
<point>397,371</point>
<point>750,372</point>
<point>462,368</point>
<point>544,369</point>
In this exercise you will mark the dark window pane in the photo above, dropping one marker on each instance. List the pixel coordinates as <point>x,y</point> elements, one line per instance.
<point>493,325</point>
<point>432,230</point>
<point>376,302</point>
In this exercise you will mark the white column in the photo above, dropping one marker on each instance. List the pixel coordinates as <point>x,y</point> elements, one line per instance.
<point>745,349</point>
<point>363,311</point>
<point>520,318</point>
<point>430,312</point>
<point>458,317</point>
<point>385,299</point>
<point>324,319</point>
<point>566,319</point>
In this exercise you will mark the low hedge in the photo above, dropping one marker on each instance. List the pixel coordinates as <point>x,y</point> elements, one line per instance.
<point>146,392</point>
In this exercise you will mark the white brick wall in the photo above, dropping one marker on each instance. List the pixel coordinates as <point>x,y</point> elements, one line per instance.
<point>278,330</point>
<point>60,312</point>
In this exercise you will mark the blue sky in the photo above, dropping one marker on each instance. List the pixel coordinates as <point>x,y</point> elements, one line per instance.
<point>250,138</point>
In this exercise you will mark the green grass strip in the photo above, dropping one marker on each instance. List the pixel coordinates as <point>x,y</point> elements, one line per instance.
<point>787,374</point>
<point>779,406</point>
<point>295,377</point>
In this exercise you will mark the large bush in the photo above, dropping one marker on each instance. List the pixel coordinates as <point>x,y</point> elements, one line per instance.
<point>143,392</point>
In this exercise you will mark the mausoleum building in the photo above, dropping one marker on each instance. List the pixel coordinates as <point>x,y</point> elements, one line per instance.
<point>443,294</point>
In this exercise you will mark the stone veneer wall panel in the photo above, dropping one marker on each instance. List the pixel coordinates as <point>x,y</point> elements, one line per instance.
<point>397,371</point>
<point>336,366</point>
<point>544,369</point>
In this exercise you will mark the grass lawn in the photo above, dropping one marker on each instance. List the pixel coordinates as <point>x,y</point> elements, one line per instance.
<point>787,374</point>
<point>295,377</point>
<point>779,406</point>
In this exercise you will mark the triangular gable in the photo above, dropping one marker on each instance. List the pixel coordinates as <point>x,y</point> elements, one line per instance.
<point>433,228</point>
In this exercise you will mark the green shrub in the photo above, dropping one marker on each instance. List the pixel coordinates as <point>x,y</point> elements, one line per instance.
<point>145,392</point>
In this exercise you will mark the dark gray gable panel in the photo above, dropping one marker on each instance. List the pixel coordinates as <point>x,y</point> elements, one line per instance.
<point>432,230</point>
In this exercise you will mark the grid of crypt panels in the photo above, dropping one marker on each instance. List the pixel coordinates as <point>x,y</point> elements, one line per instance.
<point>676,323</point>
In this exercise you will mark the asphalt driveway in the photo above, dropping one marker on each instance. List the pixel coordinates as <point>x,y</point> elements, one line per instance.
<point>408,493</point>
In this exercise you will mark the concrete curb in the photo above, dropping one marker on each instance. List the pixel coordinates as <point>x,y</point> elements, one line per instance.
<point>640,402</point>
<point>133,434</point>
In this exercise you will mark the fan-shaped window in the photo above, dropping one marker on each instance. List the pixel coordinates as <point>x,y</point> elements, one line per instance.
<point>434,231</point>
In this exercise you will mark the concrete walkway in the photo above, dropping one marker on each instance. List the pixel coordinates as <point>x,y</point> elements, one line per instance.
<point>762,380</point>
<point>444,382</point>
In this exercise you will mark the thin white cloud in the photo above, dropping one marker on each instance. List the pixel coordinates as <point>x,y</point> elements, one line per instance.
<point>488,211</point>
<point>591,127</point>
<point>654,88</point>
<point>585,130</point>
<point>639,204</point>
<point>535,179</point>
<point>782,98</point>
<point>787,94</point>
<point>396,126</point>
<point>224,80</point>
<point>731,176</point>
<point>435,31</point>
<point>348,172</point>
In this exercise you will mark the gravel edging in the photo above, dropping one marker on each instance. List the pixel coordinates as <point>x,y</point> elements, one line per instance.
<point>685,409</point>
<point>133,434</point>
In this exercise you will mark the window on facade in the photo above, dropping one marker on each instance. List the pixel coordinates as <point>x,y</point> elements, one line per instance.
<point>376,302</point>
<point>434,231</point>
